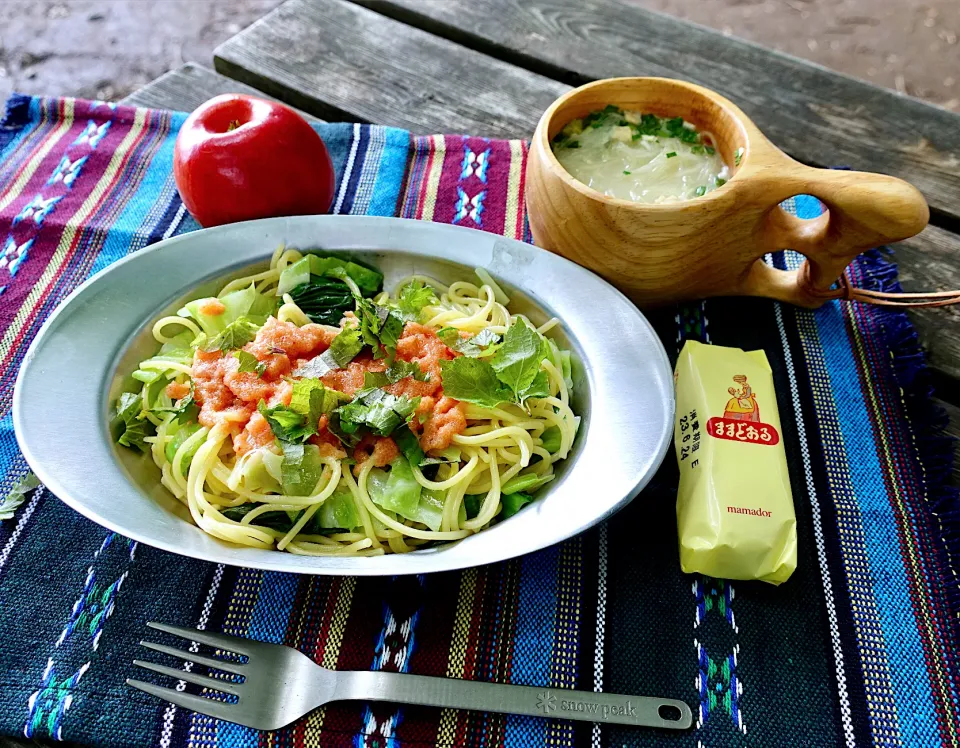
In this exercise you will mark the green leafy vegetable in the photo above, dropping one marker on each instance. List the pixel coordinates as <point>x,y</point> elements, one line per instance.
<point>346,346</point>
<point>413,297</point>
<point>337,514</point>
<point>478,345</point>
<point>472,503</point>
<point>172,447</point>
<point>551,439</point>
<point>249,363</point>
<point>18,494</point>
<point>280,521</point>
<point>524,483</point>
<point>376,409</point>
<point>185,409</point>
<point>672,154</point>
<point>129,423</point>
<point>517,361</point>
<point>235,335</point>
<point>396,490</point>
<point>312,266</point>
<point>301,468</point>
<point>512,503</point>
<point>474,381</point>
<point>380,327</point>
<point>236,304</point>
<point>311,399</point>
<point>538,387</point>
<point>287,424</point>
<point>409,445</point>
<point>323,300</point>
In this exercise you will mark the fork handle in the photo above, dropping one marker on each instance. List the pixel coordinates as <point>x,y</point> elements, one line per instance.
<point>496,697</point>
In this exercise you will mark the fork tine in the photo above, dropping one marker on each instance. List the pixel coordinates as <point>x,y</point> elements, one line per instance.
<point>215,709</point>
<point>225,665</point>
<point>201,680</point>
<point>221,641</point>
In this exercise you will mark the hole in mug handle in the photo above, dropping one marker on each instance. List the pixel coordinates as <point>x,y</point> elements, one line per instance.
<point>862,211</point>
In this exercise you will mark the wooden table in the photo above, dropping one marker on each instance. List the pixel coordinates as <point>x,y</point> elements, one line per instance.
<point>490,67</point>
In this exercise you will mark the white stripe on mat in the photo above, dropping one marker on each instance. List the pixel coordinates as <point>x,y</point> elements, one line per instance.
<point>348,169</point>
<point>25,515</point>
<point>166,734</point>
<point>595,737</point>
<point>845,717</point>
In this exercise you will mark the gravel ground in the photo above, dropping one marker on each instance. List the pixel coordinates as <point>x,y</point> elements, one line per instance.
<point>108,48</point>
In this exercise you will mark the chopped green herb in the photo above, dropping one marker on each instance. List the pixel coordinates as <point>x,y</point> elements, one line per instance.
<point>477,345</point>
<point>129,422</point>
<point>696,149</point>
<point>409,445</point>
<point>700,191</point>
<point>721,181</point>
<point>710,150</point>
<point>474,381</point>
<point>674,126</point>
<point>650,124</point>
<point>517,361</point>
<point>738,156</point>
<point>185,409</point>
<point>413,297</point>
<point>287,424</point>
<point>378,410</point>
<point>672,154</point>
<point>249,363</point>
<point>626,172</point>
<point>346,346</point>
<point>235,335</point>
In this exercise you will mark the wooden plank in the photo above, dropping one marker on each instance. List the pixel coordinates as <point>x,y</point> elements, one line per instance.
<point>187,87</point>
<point>818,116</point>
<point>335,59</point>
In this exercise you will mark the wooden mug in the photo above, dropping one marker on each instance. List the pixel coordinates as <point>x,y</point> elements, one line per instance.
<point>711,245</point>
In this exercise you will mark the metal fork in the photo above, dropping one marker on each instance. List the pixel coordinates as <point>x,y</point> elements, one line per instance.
<point>281,685</point>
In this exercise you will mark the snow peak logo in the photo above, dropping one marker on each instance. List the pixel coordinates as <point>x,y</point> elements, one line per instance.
<point>748,510</point>
<point>548,704</point>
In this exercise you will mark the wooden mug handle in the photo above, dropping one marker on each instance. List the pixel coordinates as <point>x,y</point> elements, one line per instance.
<point>864,211</point>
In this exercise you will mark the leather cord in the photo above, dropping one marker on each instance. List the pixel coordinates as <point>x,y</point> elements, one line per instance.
<point>846,290</point>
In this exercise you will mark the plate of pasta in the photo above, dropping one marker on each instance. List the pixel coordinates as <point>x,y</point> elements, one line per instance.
<point>330,394</point>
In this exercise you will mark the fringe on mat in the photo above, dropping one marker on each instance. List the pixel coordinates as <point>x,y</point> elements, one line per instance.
<point>928,422</point>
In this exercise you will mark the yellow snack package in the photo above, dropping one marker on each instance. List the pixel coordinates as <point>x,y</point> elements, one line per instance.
<point>734,506</point>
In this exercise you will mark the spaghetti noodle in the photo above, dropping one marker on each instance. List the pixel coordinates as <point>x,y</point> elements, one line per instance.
<point>425,415</point>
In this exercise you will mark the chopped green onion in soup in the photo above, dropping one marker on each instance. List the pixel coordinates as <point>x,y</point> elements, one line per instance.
<point>640,157</point>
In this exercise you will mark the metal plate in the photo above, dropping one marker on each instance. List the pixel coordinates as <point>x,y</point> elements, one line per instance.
<point>83,355</point>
